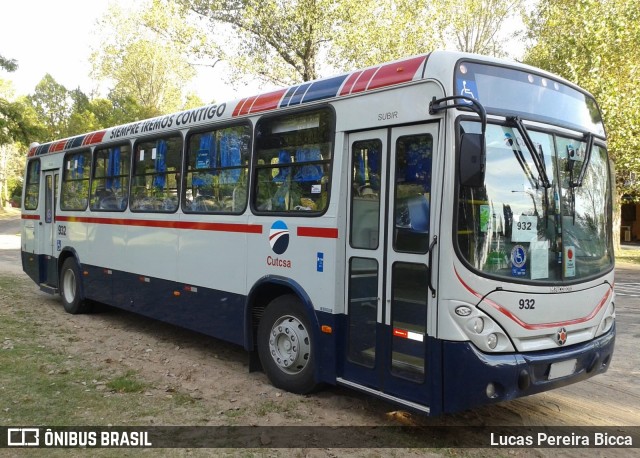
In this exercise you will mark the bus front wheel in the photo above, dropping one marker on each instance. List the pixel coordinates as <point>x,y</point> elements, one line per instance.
<point>70,288</point>
<point>285,346</point>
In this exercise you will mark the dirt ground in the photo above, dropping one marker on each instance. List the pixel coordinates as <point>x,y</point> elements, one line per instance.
<point>216,373</point>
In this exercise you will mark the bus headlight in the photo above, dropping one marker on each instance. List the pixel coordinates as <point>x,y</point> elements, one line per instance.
<point>492,341</point>
<point>480,328</point>
<point>608,319</point>
<point>477,324</point>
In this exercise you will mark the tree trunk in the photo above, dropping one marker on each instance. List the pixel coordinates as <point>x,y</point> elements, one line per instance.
<point>617,219</point>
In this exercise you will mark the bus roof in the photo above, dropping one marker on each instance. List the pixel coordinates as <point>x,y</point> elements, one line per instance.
<point>360,81</point>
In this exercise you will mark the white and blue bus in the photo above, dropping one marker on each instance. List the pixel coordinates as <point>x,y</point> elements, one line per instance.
<point>434,231</point>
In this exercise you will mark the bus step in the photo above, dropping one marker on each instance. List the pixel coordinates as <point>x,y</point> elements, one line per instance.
<point>48,288</point>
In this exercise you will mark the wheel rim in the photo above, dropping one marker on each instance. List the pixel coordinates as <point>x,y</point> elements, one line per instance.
<point>289,344</point>
<point>69,286</point>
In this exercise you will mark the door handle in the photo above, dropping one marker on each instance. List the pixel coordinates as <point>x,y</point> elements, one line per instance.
<point>431,247</point>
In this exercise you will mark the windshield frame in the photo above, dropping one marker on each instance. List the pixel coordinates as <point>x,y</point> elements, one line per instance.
<point>554,132</point>
<point>529,115</point>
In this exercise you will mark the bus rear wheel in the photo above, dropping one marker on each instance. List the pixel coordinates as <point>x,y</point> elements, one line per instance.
<point>285,346</point>
<point>70,288</point>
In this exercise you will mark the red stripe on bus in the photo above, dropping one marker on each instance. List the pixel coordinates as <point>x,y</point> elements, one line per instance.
<point>363,81</point>
<point>533,327</point>
<point>346,89</point>
<point>320,232</point>
<point>246,108</point>
<point>95,137</point>
<point>58,146</point>
<point>198,226</point>
<point>238,108</point>
<point>396,73</point>
<point>36,217</point>
<point>267,101</point>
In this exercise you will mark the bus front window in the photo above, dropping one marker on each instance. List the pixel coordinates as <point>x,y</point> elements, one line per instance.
<point>514,227</point>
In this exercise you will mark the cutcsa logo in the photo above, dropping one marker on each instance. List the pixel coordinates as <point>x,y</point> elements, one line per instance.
<point>279,237</point>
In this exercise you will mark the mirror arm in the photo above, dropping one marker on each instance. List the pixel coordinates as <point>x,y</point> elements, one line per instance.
<point>437,105</point>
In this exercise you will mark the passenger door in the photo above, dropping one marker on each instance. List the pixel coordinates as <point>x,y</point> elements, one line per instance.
<point>48,223</point>
<point>390,232</point>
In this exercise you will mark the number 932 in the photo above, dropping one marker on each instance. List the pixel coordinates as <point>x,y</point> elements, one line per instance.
<point>527,304</point>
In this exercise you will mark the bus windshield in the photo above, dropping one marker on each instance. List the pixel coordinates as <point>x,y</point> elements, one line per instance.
<point>514,226</point>
<point>511,92</point>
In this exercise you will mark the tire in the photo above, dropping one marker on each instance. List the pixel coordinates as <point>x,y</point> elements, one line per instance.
<point>286,347</point>
<point>71,288</point>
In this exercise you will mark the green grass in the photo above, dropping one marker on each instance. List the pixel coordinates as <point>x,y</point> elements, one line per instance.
<point>127,383</point>
<point>628,256</point>
<point>43,383</point>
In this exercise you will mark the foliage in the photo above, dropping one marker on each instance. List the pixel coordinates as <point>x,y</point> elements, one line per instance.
<point>11,166</point>
<point>142,65</point>
<point>273,41</point>
<point>288,42</point>
<point>477,26</point>
<point>9,65</point>
<point>52,103</point>
<point>596,44</point>
<point>371,32</point>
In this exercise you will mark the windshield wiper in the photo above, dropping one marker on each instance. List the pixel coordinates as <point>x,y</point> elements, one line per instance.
<point>536,155</point>
<point>585,163</point>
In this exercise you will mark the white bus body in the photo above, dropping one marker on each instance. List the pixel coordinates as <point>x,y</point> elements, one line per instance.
<point>332,229</point>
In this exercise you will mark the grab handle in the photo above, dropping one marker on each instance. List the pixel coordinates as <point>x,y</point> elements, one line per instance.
<point>433,244</point>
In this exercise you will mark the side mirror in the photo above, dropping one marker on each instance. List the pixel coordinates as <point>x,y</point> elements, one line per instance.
<point>472,160</point>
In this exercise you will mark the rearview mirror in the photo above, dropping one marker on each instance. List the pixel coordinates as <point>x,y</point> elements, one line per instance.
<point>472,160</point>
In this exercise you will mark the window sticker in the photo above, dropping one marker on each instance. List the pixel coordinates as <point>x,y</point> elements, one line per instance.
<point>518,261</point>
<point>467,88</point>
<point>524,229</point>
<point>485,218</point>
<point>539,259</point>
<point>569,261</point>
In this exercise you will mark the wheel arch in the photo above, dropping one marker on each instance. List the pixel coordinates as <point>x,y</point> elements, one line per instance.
<point>66,253</point>
<point>262,293</point>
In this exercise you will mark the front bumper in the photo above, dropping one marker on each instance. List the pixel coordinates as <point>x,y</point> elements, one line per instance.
<point>469,372</point>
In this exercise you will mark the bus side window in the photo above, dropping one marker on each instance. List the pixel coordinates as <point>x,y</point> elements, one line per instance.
<point>217,167</point>
<point>412,193</point>
<point>32,186</point>
<point>293,164</point>
<point>110,184</point>
<point>155,178</point>
<point>75,181</point>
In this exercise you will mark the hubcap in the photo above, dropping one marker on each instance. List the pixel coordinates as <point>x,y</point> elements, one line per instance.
<point>69,286</point>
<point>289,344</point>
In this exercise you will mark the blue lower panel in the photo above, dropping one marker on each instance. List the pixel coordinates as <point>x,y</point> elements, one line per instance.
<point>467,371</point>
<point>216,313</point>
<point>31,266</point>
<point>40,268</point>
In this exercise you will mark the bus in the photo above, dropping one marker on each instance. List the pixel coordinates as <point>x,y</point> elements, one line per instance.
<point>434,231</point>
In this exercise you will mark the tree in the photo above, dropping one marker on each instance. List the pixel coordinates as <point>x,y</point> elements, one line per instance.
<point>275,41</point>
<point>12,159</point>
<point>480,26</point>
<point>9,65</point>
<point>596,44</point>
<point>370,32</point>
<point>53,105</point>
<point>142,66</point>
<point>286,42</point>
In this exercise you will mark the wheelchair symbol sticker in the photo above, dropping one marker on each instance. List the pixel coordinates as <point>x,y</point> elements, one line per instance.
<point>518,261</point>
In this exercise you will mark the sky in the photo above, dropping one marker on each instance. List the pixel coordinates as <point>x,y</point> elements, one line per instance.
<point>55,37</point>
